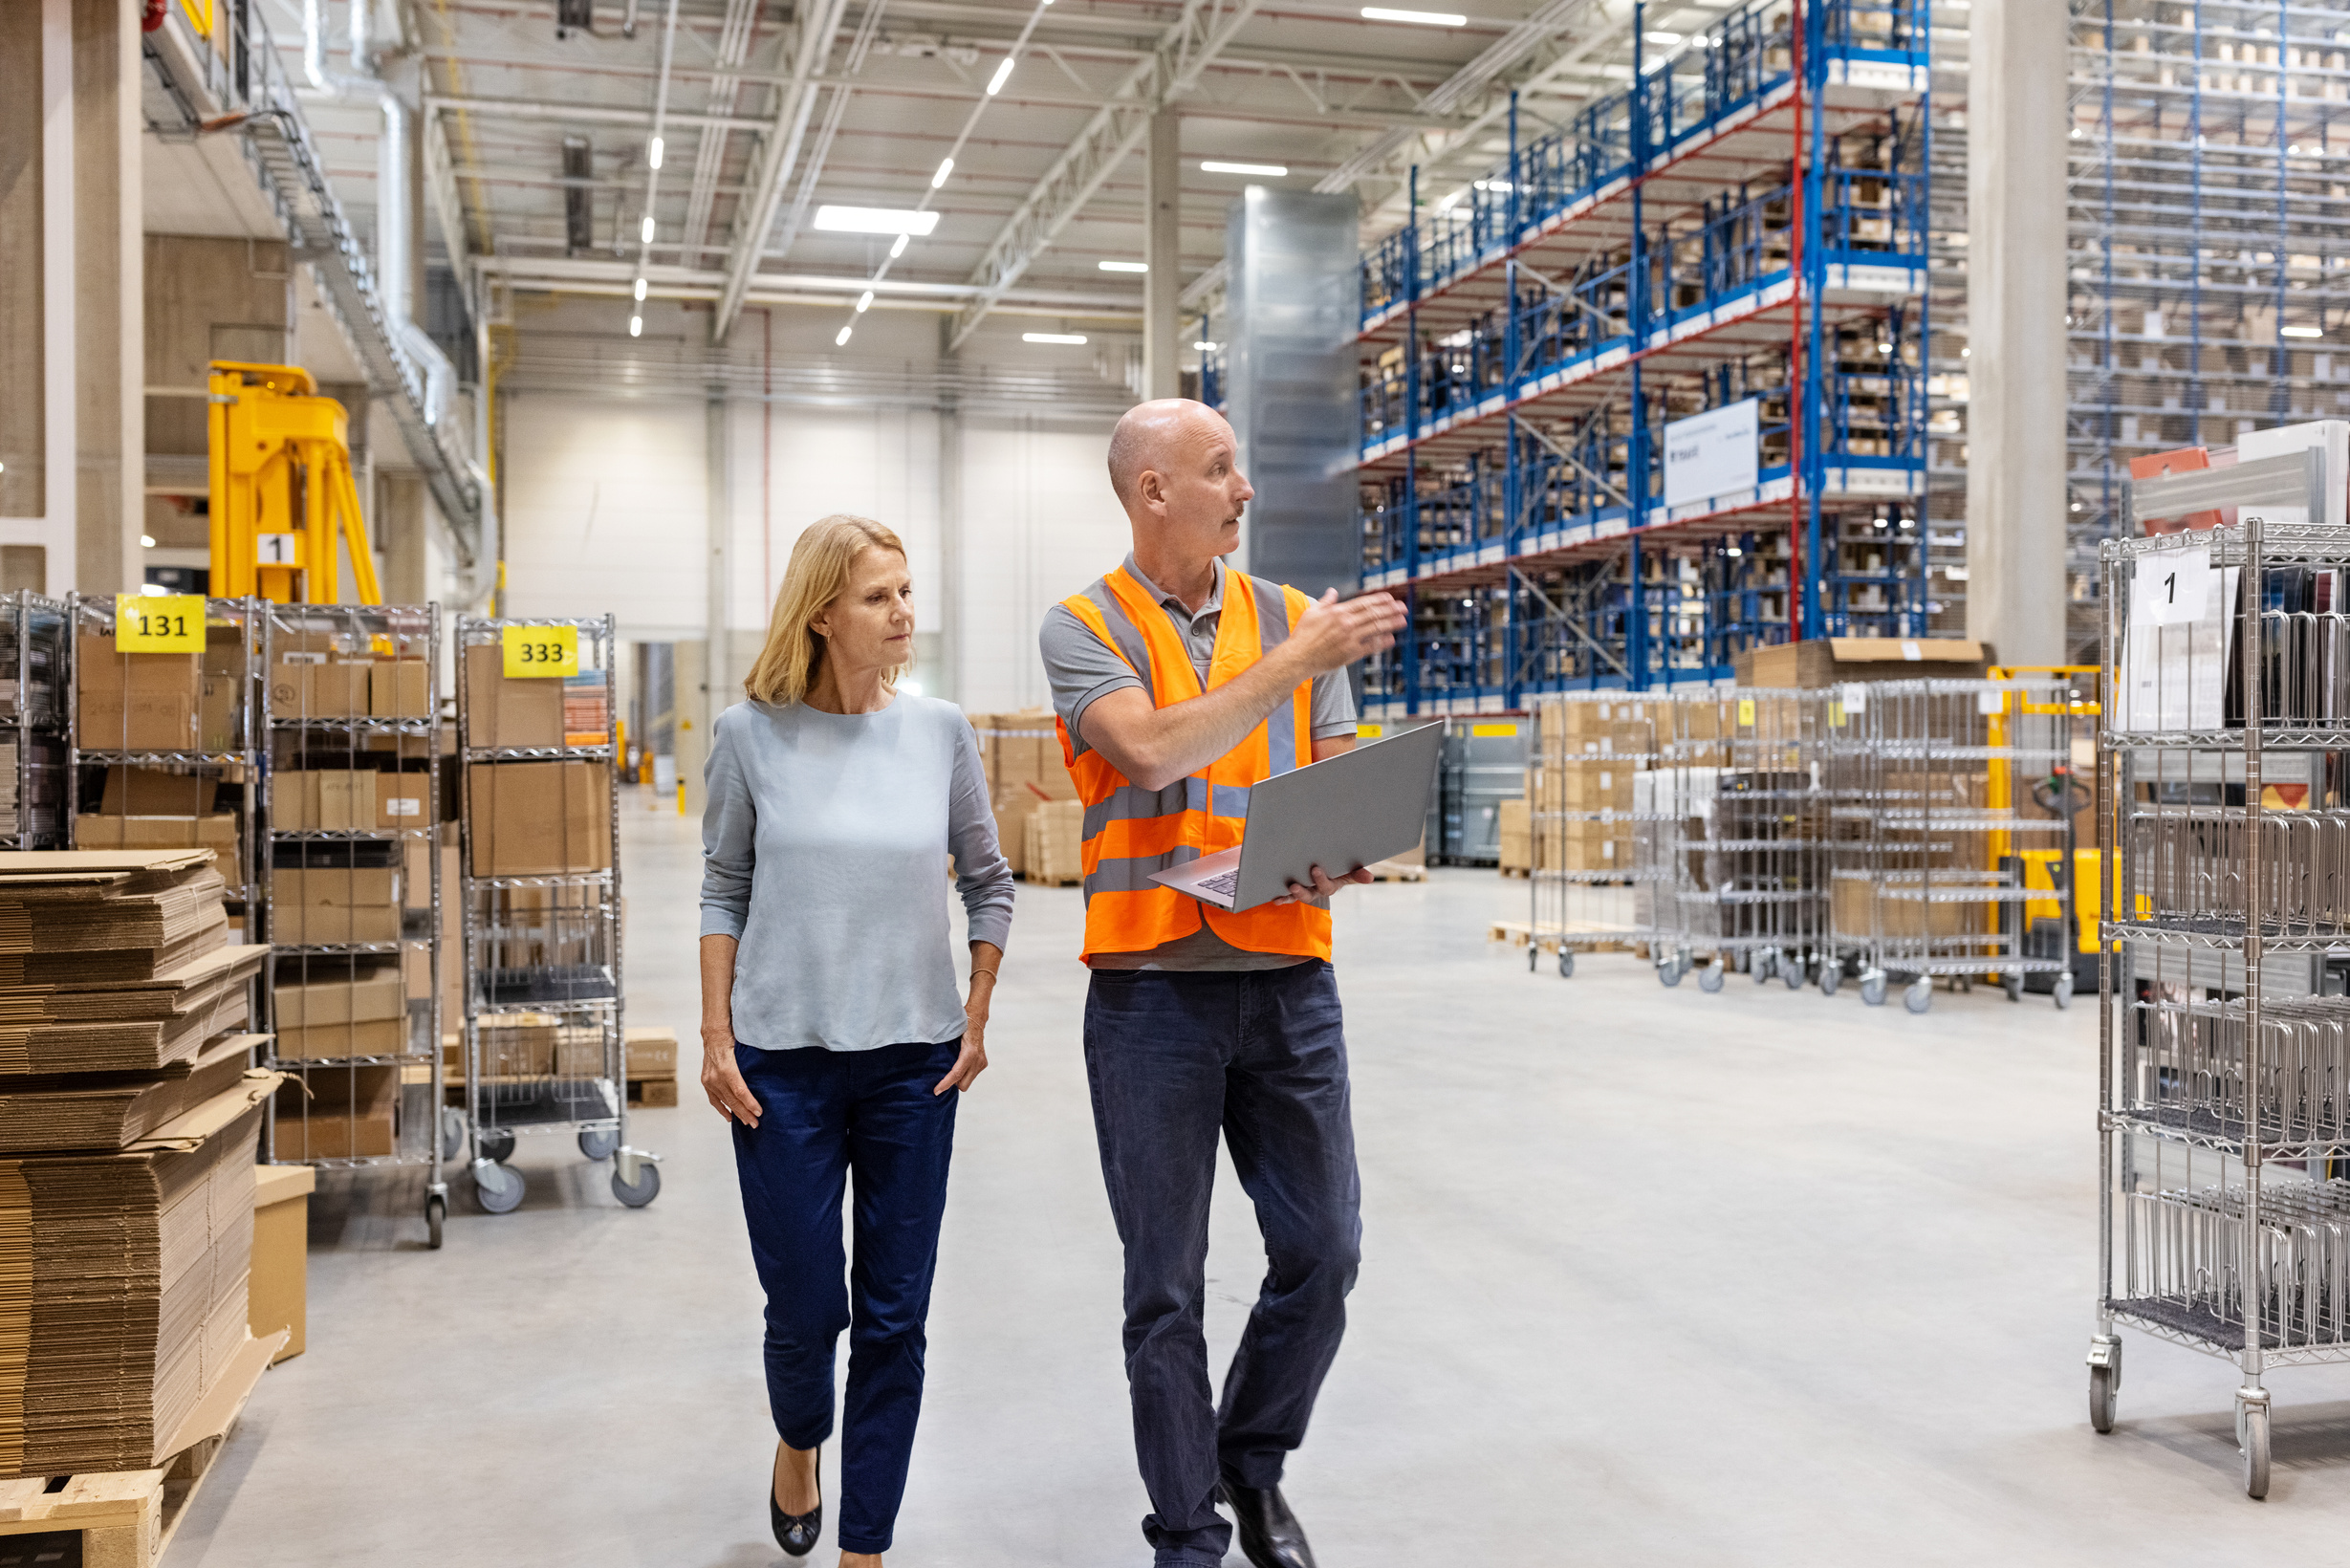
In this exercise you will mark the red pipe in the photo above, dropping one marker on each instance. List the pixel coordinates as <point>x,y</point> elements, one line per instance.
<point>1795,377</point>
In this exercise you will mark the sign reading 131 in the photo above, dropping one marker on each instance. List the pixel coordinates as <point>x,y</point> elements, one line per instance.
<point>158,623</point>
<point>542,650</point>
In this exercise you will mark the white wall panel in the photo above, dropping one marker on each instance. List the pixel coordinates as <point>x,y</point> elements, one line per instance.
<point>606,508</point>
<point>1040,523</point>
<point>877,463</point>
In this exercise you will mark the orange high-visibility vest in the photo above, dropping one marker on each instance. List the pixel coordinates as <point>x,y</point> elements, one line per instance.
<point>1130,832</point>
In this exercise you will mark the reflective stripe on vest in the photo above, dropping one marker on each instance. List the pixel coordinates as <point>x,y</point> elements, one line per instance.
<point>1130,832</point>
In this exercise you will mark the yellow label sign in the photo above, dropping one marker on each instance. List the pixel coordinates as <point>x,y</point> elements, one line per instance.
<point>1492,730</point>
<point>1746,710</point>
<point>158,623</point>
<point>1369,732</point>
<point>1836,714</point>
<point>541,650</point>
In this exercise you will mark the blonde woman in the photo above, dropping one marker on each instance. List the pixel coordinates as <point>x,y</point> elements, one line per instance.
<point>831,1037</point>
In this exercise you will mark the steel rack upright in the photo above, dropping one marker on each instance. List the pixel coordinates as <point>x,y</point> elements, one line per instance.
<point>34,671</point>
<point>2224,1064</point>
<point>544,1048</point>
<point>349,878</point>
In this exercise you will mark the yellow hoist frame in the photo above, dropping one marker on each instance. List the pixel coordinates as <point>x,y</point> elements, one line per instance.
<point>282,497</point>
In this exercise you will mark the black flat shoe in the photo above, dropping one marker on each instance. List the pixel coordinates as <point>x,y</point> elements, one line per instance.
<point>1269,1534</point>
<point>796,1533</point>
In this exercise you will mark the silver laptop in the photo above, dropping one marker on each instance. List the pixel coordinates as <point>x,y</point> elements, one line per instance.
<point>1338,813</point>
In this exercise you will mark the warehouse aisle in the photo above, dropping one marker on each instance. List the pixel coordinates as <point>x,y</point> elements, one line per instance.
<point>1651,1278</point>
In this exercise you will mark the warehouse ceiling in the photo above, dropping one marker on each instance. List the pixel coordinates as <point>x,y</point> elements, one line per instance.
<point>539,120</point>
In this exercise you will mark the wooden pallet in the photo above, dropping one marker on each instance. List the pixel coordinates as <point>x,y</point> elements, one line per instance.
<point>1517,933</point>
<point>1397,871</point>
<point>1035,880</point>
<point>652,1093</point>
<point>126,1518</point>
<point>1517,873</point>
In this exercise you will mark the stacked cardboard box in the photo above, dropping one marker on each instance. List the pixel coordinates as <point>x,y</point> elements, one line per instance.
<point>128,1116</point>
<point>1052,848</point>
<point>652,1066</point>
<point>587,709</point>
<point>1832,660</point>
<point>1517,836</point>
<point>153,808</point>
<point>1021,754</point>
<point>317,677</point>
<point>540,819</point>
<point>504,711</point>
<point>1595,748</point>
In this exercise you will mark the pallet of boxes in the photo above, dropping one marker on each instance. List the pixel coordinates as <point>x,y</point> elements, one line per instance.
<point>130,1113</point>
<point>1596,749</point>
<point>1040,821</point>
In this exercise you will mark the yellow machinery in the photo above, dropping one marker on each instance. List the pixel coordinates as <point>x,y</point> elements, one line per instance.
<point>282,498</point>
<point>2061,795</point>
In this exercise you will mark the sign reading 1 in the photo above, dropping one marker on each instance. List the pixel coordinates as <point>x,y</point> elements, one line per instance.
<point>541,650</point>
<point>158,623</point>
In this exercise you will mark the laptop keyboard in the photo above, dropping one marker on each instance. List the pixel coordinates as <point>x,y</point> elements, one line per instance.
<point>1224,883</point>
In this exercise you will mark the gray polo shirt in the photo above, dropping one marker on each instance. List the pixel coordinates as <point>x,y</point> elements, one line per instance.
<point>1082,669</point>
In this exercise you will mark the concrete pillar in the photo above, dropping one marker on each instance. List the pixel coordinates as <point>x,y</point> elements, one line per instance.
<point>398,531</point>
<point>109,310</point>
<point>22,278</point>
<point>2015,405</point>
<point>1164,250</point>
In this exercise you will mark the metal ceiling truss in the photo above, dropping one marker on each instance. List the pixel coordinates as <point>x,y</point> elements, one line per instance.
<point>778,150</point>
<point>1115,130</point>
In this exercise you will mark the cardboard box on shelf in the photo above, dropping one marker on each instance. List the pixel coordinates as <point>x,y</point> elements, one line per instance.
<point>514,1045</point>
<point>153,792</point>
<point>362,1016</point>
<point>314,905</point>
<point>402,800</point>
<point>334,690</point>
<point>216,833</point>
<point>398,688</point>
<point>324,800</point>
<point>1597,784</point>
<point>540,819</point>
<point>500,711</point>
<point>416,877</point>
<point>136,702</point>
<point>277,1297</point>
<point>580,1053</point>
<point>348,1113</point>
<point>1517,831</point>
<point>652,1053</point>
<point>1830,661</point>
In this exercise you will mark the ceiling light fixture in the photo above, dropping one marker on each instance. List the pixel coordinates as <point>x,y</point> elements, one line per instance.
<point>842,341</point>
<point>647,228</point>
<point>2302,332</point>
<point>636,326</point>
<point>653,150</point>
<point>864,303</point>
<point>1205,348</point>
<point>897,249</point>
<point>1123,266</point>
<point>1667,39</point>
<point>1003,75</point>
<point>874,220</point>
<point>1271,170</point>
<point>640,290</point>
<point>1053,338</point>
<point>146,541</point>
<point>945,168</point>
<point>1423,18</point>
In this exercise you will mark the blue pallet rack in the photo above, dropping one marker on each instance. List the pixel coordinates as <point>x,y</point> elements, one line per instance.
<point>1747,219</point>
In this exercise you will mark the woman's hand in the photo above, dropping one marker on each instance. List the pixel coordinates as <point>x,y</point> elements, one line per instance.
<point>972,1059</point>
<point>723,1081</point>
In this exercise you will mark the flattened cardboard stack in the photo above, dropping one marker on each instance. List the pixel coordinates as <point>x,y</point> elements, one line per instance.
<point>128,1121</point>
<point>1021,755</point>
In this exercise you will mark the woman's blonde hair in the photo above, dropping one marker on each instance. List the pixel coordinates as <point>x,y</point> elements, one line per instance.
<point>817,574</point>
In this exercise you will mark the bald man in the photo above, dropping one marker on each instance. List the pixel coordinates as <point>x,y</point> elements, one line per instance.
<point>1177,685</point>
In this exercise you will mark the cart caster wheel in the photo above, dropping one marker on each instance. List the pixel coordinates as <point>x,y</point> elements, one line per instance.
<point>436,1214</point>
<point>2103,1391</point>
<point>452,1132</point>
<point>598,1143</point>
<point>2254,1420</point>
<point>1919,996</point>
<point>648,1185</point>
<point>497,1143</point>
<point>1793,971</point>
<point>496,1189</point>
<point>1766,962</point>
<point>1566,965</point>
<point>2013,986</point>
<point>1872,989</point>
<point>1669,972</point>
<point>1534,958</point>
<point>1710,978</point>
<point>2063,991</point>
<point>1830,976</point>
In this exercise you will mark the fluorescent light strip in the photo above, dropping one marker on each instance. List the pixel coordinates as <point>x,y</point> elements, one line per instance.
<point>897,249</point>
<point>636,326</point>
<point>640,290</point>
<point>864,303</point>
<point>653,151</point>
<point>945,168</point>
<point>1053,338</point>
<point>1003,75</point>
<point>874,220</point>
<point>1423,18</point>
<point>1271,170</point>
<point>647,228</point>
<point>842,341</point>
<point>2302,332</point>
<point>1123,266</point>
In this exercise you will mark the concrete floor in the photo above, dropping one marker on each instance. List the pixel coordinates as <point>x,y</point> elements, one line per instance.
<point>1651,1278</point>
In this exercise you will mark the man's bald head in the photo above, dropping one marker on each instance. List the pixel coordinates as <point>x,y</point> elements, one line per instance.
<point>1153,435</point>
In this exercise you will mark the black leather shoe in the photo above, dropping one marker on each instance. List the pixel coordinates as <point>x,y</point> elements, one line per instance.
<point>1269,1534</point>
<point>796,1533</point>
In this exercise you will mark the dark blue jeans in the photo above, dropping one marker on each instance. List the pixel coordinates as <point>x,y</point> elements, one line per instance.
<point>1260,1056</point>
<point>823,1115</point>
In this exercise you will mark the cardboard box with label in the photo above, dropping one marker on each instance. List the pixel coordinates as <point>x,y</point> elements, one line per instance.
<point>136,702</point>
<point>346,1016</point>
<point>509,711</point>
<point>402,800</point>
<point>328,801</point>
<point>333,688</point>
<point>540,819</point>
<point>334,906</point>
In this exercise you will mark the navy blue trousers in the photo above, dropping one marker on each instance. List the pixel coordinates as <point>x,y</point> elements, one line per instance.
<point>825,1114</point>
<point>1260,1057</point>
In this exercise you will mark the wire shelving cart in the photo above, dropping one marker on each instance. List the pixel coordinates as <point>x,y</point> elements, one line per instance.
<point>1583,876</point>
<point>349,881</point>
<point>2224,1065</point>
<point>1733,835</point>
<point>34,683</point>
<point>1931,839</point>
<point>544,1045</point>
